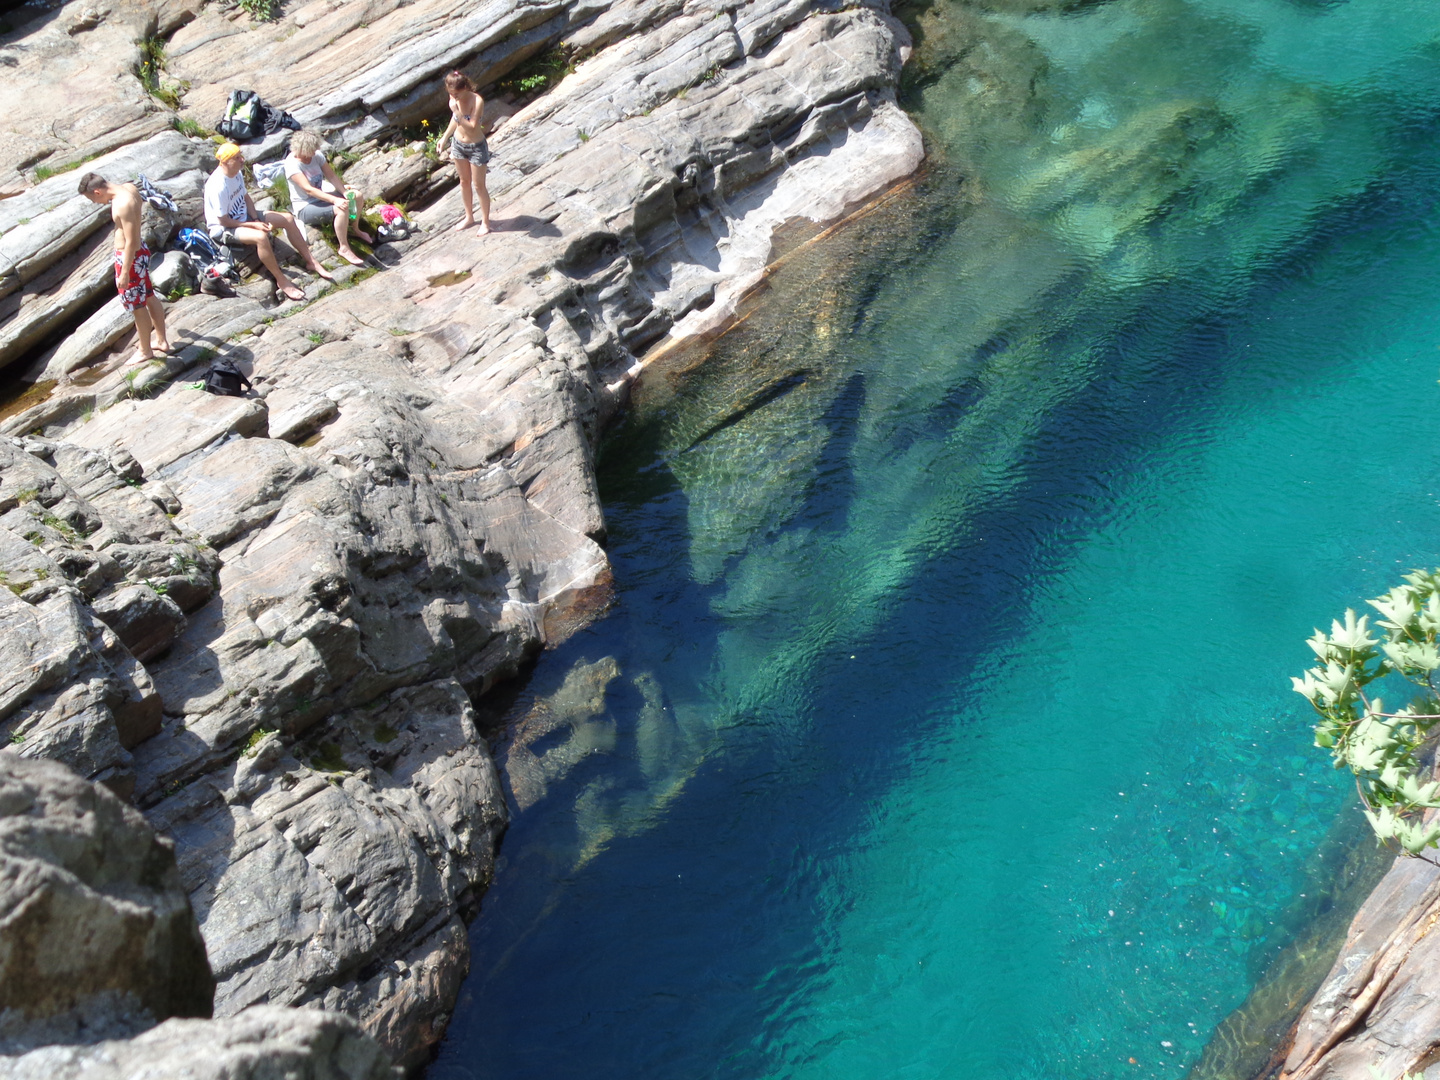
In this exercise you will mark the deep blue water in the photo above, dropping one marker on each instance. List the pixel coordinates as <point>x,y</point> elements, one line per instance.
<point>952,734</point>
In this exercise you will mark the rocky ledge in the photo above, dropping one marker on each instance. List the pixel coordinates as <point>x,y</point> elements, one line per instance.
<point>1377,1014</point>
<point>98,942</point>
<point>267,621</point>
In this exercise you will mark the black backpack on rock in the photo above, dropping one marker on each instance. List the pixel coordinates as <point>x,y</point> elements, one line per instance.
<point>247,118</point>
<point>242,121</point>
<point>226,379</point>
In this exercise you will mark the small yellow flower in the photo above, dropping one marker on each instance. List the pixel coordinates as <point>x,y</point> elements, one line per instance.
<point>424,123</point>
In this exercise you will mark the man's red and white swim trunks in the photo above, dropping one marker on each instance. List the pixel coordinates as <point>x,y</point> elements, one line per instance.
<point>140,288</point>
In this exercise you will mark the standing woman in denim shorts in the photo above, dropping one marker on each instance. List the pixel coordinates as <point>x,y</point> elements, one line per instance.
<point>468,150</point>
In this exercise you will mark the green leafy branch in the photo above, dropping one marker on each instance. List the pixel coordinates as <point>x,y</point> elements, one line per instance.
<point>1383,749</point>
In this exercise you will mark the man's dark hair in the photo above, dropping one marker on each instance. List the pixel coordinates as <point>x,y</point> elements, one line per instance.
<point>90,181</point>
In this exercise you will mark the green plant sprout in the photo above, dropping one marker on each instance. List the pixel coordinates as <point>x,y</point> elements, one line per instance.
<point>261,10</point>
<point>280,191</point>
<point>1383,748</point>
<point>540,72</point>
<point>152,63</point>
<point>187,126</point>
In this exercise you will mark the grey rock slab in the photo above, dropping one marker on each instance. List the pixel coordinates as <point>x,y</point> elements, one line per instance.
<point>96,934</point>
<point>130,517</point>
<point>325,68</point>
<point>101,704</point>
<point>1377,1007</point>
<point>77,693</point>
<point>39,646</point>
<point>263,1043</point>
<point>161,430</point>
<point>30,315</point>
<point>389,174</point>
<point>144,620</point>
<point>91,338</point>
<point>172,270</point>
<point>239,486</point>
<point>83,52</point>
<point>381,824</point>
<point>296,414</point>
<point>204,325</point>
<point>406,1005</point>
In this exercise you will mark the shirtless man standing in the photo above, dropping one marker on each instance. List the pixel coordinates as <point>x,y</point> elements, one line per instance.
<point>132,261</point>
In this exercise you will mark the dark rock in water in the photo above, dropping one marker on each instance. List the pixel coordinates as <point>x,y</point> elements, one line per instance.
<point>97,938</point>
<point>559,730</point>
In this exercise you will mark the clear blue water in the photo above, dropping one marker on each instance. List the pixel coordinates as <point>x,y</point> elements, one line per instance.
<point>958,590</point>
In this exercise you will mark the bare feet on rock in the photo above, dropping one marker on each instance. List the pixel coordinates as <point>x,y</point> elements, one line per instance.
<point>320,272</point>
<point>484,229</point>
<point>467,223</point>
<point>352,258</point>
<point>291,291</point>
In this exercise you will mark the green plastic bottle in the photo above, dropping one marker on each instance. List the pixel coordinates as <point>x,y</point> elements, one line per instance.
<point>350,199</point>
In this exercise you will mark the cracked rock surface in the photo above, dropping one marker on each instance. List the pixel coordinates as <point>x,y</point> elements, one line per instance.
<point>98,943</point>
<point>264,1043</point>
<point>96,933</point>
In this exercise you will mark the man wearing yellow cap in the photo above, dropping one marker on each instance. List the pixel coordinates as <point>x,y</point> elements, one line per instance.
<point>231,215</point>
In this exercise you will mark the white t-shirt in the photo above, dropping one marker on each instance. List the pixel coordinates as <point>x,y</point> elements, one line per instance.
<point>314,174</point>
<point>225,197</point>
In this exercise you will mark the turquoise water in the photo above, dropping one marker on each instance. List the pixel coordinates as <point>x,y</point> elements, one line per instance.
<point>949,731</point>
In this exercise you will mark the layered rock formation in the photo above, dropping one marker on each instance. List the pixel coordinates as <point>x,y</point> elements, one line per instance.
<point>267,619</point>
<point>97,942</point>
<point>263,1043</point>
